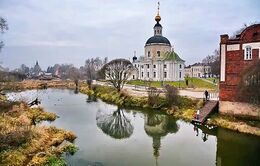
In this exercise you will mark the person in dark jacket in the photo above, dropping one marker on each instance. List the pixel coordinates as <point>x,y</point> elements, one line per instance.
<point>206,95</point>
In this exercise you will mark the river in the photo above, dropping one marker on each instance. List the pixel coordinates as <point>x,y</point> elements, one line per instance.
<point>110,136</point>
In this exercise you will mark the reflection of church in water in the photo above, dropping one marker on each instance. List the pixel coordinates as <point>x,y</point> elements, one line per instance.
<point>157,126</point>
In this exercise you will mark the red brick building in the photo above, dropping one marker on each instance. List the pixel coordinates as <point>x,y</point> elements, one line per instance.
<point>236,54</point>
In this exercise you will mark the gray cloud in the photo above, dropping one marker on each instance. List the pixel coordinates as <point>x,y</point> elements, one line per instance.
<point>69,31</point>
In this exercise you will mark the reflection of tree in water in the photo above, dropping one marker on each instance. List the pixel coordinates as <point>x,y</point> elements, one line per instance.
<point>92,98</point>
<point>116,125</point>
<point>158,126</point>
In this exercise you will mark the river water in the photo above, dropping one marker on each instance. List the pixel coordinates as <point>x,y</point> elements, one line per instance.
<point>110,136</point>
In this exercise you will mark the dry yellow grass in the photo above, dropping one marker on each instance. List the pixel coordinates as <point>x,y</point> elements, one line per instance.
<point>30,144</point>
<point>37,84</point>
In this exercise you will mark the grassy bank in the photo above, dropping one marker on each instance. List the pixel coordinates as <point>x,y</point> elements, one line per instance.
<point>192,83</point>
<point>23,142</point>
<point>123,99</point>
<point>185,109</point>
<point>234,123</point>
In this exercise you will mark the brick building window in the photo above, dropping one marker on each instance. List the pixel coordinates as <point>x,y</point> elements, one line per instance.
<point>154,74</point>
<point>165,66</point>
<point>154,66</point>
<point>248,53</point>
<point>142,74</point>
<point>148,66</point>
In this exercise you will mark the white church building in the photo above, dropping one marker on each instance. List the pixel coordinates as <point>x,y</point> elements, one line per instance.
<point>160,62</point>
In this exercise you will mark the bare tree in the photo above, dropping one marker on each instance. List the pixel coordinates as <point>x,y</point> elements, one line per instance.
<point>24,69</point>
<point>74,74</point>
<point>117,72</point>
<point>249,87</point>
<point>243,27</point>
<point>3,28</point>
<point>214,62</point>
<point>91,69</point>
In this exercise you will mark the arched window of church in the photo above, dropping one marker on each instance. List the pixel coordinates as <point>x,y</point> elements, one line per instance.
<point>248,53</point>
<point>149,54</point>
<point>158,53</point>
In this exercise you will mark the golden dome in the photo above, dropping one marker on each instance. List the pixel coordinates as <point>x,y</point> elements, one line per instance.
<point>158,18</point>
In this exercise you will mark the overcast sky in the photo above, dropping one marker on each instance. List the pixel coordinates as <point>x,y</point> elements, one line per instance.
<point>70,31</point>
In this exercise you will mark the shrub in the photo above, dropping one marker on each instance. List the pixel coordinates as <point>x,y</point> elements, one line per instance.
<point>172,95</point>
<point>70,148</point>
<point>153,96</point>
<point>16,137</point>
<point>55,161</point>
<point>38,115</point>
<point>186,103</point>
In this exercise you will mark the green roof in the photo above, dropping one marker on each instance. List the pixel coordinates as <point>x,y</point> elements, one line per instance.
<point>172,56</point>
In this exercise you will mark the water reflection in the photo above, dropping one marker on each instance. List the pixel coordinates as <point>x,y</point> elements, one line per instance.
<point>237,149</point>
<point>115,124</point>
<point>205,131</point>
<point>174,143</point>
<point>158,126</point>
<point>233,148</point>
<point>91,98</point>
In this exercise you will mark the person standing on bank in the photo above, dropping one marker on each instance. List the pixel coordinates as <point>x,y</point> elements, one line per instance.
<point>206,95</point>
<point>198,114</point>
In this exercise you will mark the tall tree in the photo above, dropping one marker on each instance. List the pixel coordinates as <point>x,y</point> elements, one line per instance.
<point>214,62</point>
<point>117,72</point>
<point>74,74</point>
<point>92,66</point>
<point>24,69</point>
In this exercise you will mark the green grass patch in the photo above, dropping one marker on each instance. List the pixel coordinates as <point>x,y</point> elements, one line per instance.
<point>55,161</point>
<point>192,83</point>
<point>212,79</point>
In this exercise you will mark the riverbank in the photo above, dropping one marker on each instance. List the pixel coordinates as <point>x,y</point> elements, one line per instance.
<point>185,110</point>
<point>36,84</point>
<point>23,141</point>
